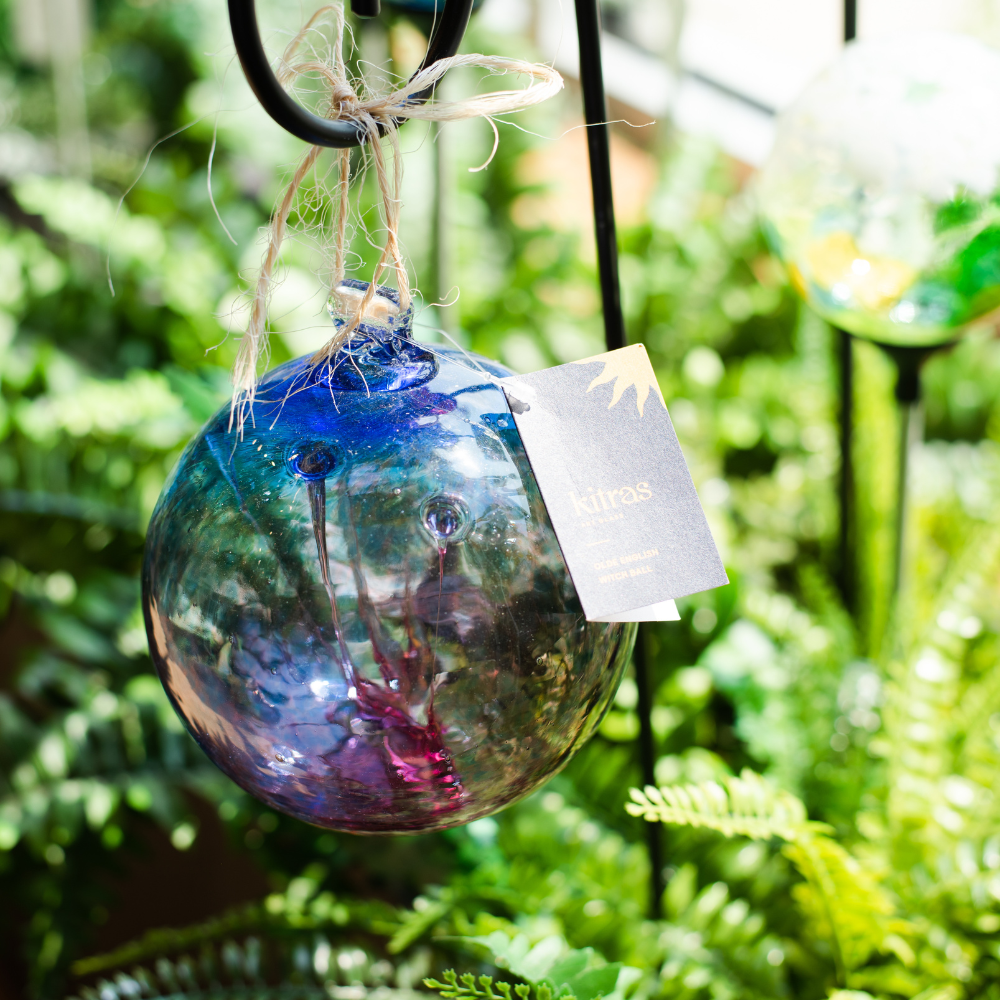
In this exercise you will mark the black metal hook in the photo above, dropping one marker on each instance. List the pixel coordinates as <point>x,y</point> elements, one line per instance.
<point>288,113</point>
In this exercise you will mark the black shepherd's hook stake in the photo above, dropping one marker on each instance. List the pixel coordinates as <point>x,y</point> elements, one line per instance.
<point>845,360</point>
<point>288,113</point>
<point>595,109</point>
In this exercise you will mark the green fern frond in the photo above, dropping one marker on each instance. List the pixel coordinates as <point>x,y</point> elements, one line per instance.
<point>158,944</point>
<point>842,902</point>
<point>464,987</point>
<point>127,987</point>
<point>96,754</point>
<point>979,755</point>
<point>265,969</point>
<point>979,703</point>
<point>274,919</point>
<point>930,713</point>
<point>950,991</point>
<point>415,923</point>
<point>746,806</point>
<point>824,602</point>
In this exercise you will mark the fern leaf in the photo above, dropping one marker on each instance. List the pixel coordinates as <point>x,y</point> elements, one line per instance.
<point>466,987</point>
<point>452,988</point>
<point>842,902</point>
<point>269,969</point>
<point>927,717</point>
<point>949,991</point>
<point>278,918</point>
<point>417,922</point>
<point>746,806</point>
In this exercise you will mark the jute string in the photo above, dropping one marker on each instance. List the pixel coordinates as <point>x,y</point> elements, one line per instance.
<point>377,117</point>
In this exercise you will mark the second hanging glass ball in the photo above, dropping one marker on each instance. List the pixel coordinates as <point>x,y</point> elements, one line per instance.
<point>882,193</point>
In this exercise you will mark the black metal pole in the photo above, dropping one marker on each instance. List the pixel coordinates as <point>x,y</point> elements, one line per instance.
<point>845,360</point>
<point>588,24</point>
<point>908,361</point>
<point>595,112</point>
<point>647,761</point>
<point>850,20</point>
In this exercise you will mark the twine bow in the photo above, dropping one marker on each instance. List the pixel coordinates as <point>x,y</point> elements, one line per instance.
<point>377,117</point>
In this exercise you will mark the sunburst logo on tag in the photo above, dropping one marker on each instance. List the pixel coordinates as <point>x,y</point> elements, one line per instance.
<point>627,367</point>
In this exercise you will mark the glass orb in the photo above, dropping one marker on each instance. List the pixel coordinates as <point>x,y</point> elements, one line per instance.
<point>359,608</point>
<point>882,193</point>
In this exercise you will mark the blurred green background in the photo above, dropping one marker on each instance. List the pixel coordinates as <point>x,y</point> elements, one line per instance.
<point>885,725</point>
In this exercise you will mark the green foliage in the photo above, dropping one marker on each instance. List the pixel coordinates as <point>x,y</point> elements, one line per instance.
<point>90,746</point>
<point>745,806</point>
<point>870,906</point>
<point>301,911</point>
<point>549,971</point>
<point>454,987</point>
<point>308,967</point>
<point>842,903</point>
<point>580,973</point>
<point>828,781</point>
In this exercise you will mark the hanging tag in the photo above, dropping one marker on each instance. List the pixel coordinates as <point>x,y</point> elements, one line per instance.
<point>616,486</point>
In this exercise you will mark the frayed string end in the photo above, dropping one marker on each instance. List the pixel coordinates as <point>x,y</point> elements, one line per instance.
<point>378,117</point>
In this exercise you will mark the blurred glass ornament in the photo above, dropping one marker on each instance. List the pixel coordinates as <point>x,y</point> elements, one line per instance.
<point>360,609</point>
<point>882,193</point>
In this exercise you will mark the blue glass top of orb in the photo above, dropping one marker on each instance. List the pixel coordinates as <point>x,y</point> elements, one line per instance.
<point>359,608</point>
